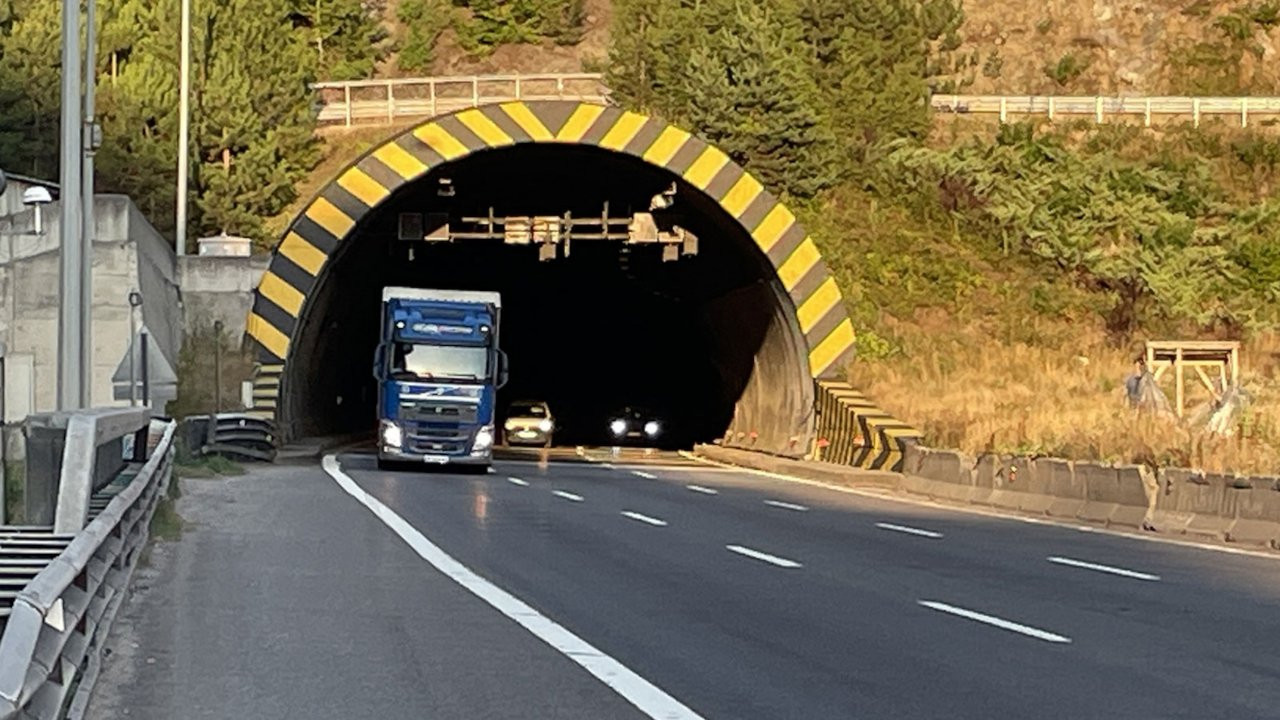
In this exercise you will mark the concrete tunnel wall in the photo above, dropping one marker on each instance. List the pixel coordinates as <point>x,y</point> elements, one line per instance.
<point>810,337</point>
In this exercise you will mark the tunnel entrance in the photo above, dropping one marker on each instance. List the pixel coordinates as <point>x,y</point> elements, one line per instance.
<point>723,344</point>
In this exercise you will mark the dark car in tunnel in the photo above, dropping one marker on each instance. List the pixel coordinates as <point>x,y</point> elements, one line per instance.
<point>632,425</point>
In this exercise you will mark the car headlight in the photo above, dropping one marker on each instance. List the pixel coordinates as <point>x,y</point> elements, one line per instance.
<point>484,439</point>
<point>651,428</point>
<point>545,426</point>
<point>392,434</point>
<point>510,425</point>
<point>618,427</point>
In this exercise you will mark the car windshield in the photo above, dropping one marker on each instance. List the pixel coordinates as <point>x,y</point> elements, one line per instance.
<point>528,410</point>
<point>439,362</point>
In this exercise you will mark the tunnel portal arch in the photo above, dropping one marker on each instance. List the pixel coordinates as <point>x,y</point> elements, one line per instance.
<point>776,412</point>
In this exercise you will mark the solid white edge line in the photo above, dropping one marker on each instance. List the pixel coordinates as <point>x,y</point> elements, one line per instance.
<point>646,696</point>
<point>703,490</point>
<point>517,481</point>
<point>970,510</point>
<point>786,505</point>
<point>996,622</point>
<point>645,475</point>
<point>567,495</point>
<point>1103,568</point>
<point>766,557</point>
<point>644,518</point>
<point>908,530</point>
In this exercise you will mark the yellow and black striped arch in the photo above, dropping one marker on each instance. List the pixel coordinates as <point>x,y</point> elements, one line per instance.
<point>300,258</point>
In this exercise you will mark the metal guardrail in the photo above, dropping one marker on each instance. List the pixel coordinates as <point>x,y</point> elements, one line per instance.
<point>364,102</point>
<point>359,102</point>
<point>1101,108</point>
<point>53,638</point>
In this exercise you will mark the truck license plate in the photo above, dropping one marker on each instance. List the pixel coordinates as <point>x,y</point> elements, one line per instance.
<point>436,459</point>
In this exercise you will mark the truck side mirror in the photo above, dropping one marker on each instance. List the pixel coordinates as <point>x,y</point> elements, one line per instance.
<point>502,369</point>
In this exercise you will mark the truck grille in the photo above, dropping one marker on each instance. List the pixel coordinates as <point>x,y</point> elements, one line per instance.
<point>427,411</point>
<point>438,428</point>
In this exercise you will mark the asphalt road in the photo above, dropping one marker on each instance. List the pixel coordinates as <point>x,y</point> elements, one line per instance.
<point>737,595</point>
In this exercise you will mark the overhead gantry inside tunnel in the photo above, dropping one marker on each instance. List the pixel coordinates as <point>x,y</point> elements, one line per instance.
<point>720,315</point>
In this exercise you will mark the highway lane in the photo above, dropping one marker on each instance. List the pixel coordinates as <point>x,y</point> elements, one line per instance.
<point>283,599</point>
<point>838,605</point>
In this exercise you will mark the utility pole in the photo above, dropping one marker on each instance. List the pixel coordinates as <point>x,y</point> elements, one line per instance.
<point>90,145</point>
<point>71,254</point>
<point>184,128</point>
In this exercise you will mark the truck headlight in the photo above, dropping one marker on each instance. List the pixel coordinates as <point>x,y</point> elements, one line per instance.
<point>392,435</point>
<point>484,439</point>
<point>618,427</point>
<point>510,425</point>
<point>651,428</point>
<point>545,426</point>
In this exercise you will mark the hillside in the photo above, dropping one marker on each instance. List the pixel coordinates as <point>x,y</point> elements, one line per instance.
<point>1109,47</point>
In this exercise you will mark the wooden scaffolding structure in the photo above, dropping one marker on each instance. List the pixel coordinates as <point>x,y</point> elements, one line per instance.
<point>1203,357</point>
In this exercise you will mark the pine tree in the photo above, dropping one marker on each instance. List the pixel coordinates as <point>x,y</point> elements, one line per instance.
<point>423,21</point>
<point>648,49</point>
<point>253,120</point>
<point>748,90</point>
<point>30,77</point>
<point>344,36</point>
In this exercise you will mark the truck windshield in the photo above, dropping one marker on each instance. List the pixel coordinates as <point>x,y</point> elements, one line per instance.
<point>439,362</point>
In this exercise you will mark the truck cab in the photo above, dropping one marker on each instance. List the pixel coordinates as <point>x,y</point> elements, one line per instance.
<point>438,368</point>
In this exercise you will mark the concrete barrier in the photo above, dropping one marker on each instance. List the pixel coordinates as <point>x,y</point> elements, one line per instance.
<point>1170,501</point>
<point>1167,517</point>
<point>1257,513</point>
<point>1203,500</point>
<point>1066,491</point>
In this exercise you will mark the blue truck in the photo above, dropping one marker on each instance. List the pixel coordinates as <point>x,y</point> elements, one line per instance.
<point>438,367</point>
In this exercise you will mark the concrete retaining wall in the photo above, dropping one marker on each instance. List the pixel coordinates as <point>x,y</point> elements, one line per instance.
<point>1235,509</point>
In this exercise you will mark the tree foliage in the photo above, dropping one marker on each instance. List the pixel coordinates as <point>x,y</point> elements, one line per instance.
<point>252,119</point>
<point>1148,235</point>
<point>830,81</point>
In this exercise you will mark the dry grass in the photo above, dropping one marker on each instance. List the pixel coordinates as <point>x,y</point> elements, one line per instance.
<point>969,392</point>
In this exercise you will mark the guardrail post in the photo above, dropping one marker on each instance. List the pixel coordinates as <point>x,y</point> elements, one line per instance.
<point>391,102</point>
<point>431,88</point>
<point>1195,112</point>
<point>1146,113</point>
<point>519,96</point>
<point>1004,109</point>
<point>1051,108</point>
<point>1244,112</point>
<point>559,87</point>
<point>1097,109</point>
<point>346,97</point>
<point>475,92</point>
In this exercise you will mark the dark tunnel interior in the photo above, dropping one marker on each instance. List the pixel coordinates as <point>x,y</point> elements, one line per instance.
<point>607,326</point>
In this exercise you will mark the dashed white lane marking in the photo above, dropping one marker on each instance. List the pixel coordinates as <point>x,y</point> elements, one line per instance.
<point>646,696</point>
<point>517,481</point>
<point>909,530</point>
<point>996,622</point>
<point>786,505</point>
<point>644,518</point>
<point>1104,568</point>
<point>645,475</point>
<point>567,495</point>
<point>917,501</point>
<point>766,557</point>
<point>703,490</point>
